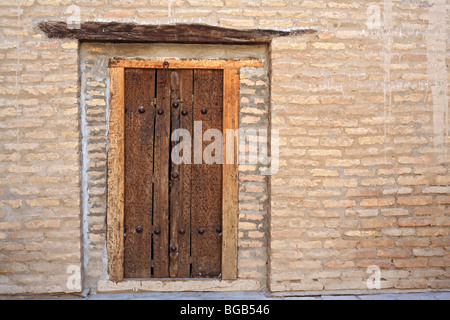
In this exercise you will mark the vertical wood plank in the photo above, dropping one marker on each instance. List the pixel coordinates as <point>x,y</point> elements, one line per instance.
<point>186,122</point>
<point>139,131</point>
<point>161,176</point>
<point>230,176</point>
<point>207,180</point>
<point>175,182</point>
<point>115,202</point>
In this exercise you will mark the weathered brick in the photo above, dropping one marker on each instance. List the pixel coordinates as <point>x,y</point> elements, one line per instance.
<point>440,284</point>
<point>423,211</point>
<point>394,253</point>
<point>412,180</point>
<point>443,200</point>
<point>339,264</point>
<point>362,193</point>
<point>336,142</point>
<point>324,152</point>
<point>13,268</point>
<point>339,244</point>
<point>361,233</point>
<point>429,252</point>
<point>439,262</point>
<point>442,221</point>
<point>237,22</point>
<point>119,13</point>
<point>328,46</point>
<point>394,212</point>
<point>439,190</point>
<point>324,173</point>
<point>415,222</point>
<point>381,263</point>
<point>339,203</point>
<point>305,264</point>
<point>378,182</point>
<point>433,232</point>
<point>376,223</point>
<point>304,142</point>
<point>415,201</point>
<point>414,284</point>
<point>377,202</point>
<point>43,202</point>
<point>444,242</point>
<point>42,224</point>
<point>413,263</point>
<point>376,243</point>
<point>10,225</point>
<point>338,183</point>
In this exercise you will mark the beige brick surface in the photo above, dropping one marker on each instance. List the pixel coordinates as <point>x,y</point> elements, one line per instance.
<point>366,145</point>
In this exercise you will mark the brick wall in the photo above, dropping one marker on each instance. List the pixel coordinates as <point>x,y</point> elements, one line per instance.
<point>362,111</point>
<point>363,175</point>
<point>39,156</point>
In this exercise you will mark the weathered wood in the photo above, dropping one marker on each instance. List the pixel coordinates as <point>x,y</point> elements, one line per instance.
<point>139,131</point>
<point>187,63</point>
<point>206,247</point>
<point>206,195</point>
<point>186,122</point>
<point>116,165</point>
<point>230,176</point>
<point>173,33</point>
<point>161,176</point>
<point>175,182</point>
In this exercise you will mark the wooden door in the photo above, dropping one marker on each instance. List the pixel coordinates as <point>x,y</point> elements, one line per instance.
<point>172,211</point>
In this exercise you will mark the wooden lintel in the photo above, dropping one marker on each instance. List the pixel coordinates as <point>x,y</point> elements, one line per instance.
<point>172,33</point>
<point>186,63</point>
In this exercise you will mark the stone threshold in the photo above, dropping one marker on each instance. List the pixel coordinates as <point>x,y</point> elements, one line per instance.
<point>169,285</point>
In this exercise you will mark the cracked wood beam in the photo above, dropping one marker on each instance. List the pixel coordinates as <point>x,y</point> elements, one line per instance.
<point>174,33</point>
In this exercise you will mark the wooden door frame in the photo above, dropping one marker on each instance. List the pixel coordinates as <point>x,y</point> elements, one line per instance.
<point>116,156</point>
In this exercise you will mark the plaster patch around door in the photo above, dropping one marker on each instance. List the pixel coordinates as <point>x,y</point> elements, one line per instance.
<point>253,113</point>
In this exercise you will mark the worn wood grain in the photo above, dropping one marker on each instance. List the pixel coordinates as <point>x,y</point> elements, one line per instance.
<point>169,33</point>
<point>116,165</point>
<point>230,176</point>
<point>206,214</point>
<point>175,182</point>
<point>186,122</point>
<point>161,176</point>
<point>139,135</point>
<point>187,63</point>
